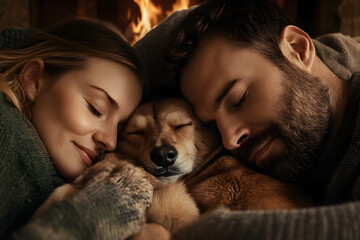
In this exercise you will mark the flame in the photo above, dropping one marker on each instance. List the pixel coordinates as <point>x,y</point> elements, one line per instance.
<point>151,15</point>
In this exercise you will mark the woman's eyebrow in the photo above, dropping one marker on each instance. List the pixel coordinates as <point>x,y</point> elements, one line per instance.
<point>112,101</point>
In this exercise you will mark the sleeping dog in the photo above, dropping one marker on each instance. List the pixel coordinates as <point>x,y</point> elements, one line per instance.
<point>196,175</point>
<point>169,142</point>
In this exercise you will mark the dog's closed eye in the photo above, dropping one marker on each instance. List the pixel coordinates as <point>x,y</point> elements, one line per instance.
<point>136,133</point>
<point>177,127</point>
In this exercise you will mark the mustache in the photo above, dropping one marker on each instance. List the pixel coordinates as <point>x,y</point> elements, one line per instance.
<point>246,148</point>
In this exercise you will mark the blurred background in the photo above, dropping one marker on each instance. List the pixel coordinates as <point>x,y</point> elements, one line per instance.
<point>136,17</point>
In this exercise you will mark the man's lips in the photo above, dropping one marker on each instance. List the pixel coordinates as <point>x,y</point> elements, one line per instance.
<point>258,153</point>
<point>88,156</point>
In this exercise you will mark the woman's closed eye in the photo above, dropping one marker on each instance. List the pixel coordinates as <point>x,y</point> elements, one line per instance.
<point>94,110</point>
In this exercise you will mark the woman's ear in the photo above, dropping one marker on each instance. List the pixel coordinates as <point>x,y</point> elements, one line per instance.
<point>30,77</point>
<point>297,46</point>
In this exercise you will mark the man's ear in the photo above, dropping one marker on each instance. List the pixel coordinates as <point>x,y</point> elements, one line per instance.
<point>30,77</point>
<point>297,46</point>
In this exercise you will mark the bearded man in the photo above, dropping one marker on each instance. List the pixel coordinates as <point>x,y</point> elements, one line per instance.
<point>283,102</point>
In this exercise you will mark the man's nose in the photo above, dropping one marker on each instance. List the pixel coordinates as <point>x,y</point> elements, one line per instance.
<point>106,138</point>
<point>233,133</point>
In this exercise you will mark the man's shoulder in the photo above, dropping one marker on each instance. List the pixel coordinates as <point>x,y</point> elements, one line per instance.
<point>340,53</point>
<point>335,38</point>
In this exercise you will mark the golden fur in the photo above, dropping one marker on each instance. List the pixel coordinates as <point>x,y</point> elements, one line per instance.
<point>208,177</point>
<point>200,179</point>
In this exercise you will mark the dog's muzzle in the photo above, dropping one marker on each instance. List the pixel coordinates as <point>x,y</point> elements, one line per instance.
<point>164,156</point>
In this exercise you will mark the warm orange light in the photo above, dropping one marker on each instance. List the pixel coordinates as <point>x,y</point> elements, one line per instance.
<point>178,5</point>
<point>152,15</point>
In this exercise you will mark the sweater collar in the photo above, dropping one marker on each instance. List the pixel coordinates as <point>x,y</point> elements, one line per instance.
<point>340,53</point>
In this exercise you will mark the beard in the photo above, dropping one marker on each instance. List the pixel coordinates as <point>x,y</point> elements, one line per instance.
<point>303,121</point>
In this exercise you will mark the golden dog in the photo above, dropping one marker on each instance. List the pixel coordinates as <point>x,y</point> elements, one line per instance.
<point>166,139</point>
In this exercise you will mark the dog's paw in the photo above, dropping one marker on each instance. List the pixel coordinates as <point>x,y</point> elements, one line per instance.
<point>173,207</point>
<point>152,231</point>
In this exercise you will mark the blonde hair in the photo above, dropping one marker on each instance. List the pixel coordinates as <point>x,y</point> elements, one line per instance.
<point>63,48</point>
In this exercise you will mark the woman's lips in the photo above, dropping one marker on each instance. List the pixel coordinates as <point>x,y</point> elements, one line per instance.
<point>258,153</point>
<point>88,156</point>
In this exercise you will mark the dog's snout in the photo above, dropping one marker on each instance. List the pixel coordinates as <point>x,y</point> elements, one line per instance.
<point>164,156</point>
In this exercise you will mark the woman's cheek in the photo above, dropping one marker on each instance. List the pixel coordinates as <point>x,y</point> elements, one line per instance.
<point>78,119</point>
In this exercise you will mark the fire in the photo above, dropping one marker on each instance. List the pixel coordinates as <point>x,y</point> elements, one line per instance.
<point>151,15</point>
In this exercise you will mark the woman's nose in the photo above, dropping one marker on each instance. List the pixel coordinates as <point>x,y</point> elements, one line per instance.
<point>232,133</point>
<point>106,139</point>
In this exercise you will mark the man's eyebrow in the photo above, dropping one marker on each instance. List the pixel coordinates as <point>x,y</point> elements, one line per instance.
<point>224,92</point>
<point>112,101</point>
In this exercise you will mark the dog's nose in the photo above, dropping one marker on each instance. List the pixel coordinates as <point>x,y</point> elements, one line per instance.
<point>164,156</point>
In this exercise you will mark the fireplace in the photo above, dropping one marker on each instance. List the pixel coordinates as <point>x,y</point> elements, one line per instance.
<point>136,17</point>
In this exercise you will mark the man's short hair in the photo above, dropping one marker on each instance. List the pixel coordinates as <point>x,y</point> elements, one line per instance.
<point>252,23</point>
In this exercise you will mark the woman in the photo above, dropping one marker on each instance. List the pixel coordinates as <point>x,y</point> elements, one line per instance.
<point>65,94</point>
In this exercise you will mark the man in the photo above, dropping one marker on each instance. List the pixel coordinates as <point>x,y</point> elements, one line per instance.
<point>283,102</point>
<point>243,66</point>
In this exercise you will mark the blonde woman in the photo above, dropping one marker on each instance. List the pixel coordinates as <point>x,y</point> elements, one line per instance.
<point>65,94</point>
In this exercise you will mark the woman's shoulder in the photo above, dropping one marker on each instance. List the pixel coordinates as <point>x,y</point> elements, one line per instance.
<point>27,173</point>
<point>18,135</point>
<point>11,118</point>
<point>20,145</point>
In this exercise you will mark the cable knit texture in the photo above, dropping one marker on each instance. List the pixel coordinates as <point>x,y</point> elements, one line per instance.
<point>112,207</point>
